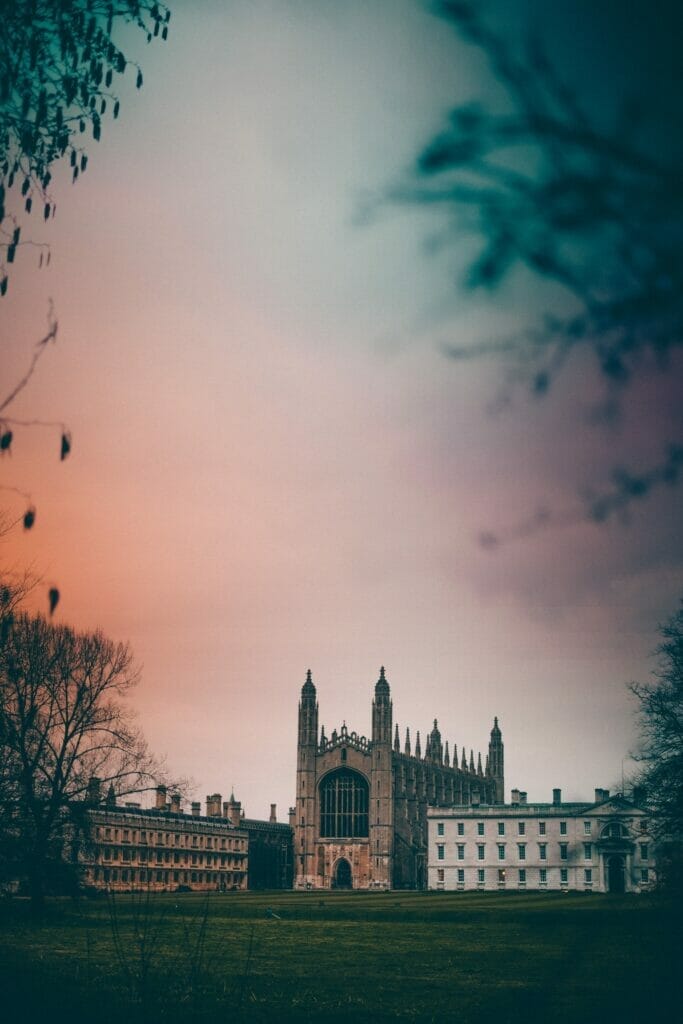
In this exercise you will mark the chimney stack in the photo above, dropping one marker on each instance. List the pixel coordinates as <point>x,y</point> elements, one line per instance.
<point>514,796</point>
<point>292,817</point>
<point>273,812</point>
<point>522,796</point>
<point>557,796</point>
<point>235,813</point>
<point>161,798</point>
<point>93,793</point>
<point>196,808</point>
<point>213,805</point>
<point>175,803</point>
<point>639,795</point>
<point>475,798</point>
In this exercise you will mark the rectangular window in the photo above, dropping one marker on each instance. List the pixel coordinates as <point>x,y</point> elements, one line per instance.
<point>480,875</point>
<point>439,852</point>
<point>643,851</point>
<point>542,876</point>
<point>501,876</point>
<point>439,828</point>
<point>501,828</point>
<point>461,851</point>
<point>461,874</point>
<point>563,851</point>
<point>480,828</point>
<point>501,851</point>
<point>542,848</point>
<point>563,876</point>
<point>644,875</point>
<point>521,828</point>
<point>522,875</point>
<point>588,851</point>
<point>541,828</point>
<point>461,828</point>
<point>480,851</point>
<point>521,851</point>
<point>587,828</point>
<point>563,828</point>
<point>439,874</point>
<point>588,875</point>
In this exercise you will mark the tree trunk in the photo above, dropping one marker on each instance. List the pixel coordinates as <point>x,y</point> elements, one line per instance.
<point>36,887</point>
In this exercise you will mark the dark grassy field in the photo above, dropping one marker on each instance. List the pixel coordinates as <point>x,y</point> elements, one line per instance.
<point>333,957</point>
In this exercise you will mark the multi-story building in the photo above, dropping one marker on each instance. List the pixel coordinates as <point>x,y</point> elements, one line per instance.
<point>270,852</point>
<point>164,849</point>
<point>599,846</point>
<point>360,819</point>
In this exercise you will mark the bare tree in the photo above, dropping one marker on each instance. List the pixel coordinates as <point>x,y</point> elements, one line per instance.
<point>596,211</point>
<point>660,707</point>
<point>63,723</point>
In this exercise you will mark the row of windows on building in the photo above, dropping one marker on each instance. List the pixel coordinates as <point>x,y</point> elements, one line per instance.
<point>613,829</point>
<point>522,851</point>
<point>146,876</point>
<point>524,875</point>
<point>180,839</point>
<point>144,855</point>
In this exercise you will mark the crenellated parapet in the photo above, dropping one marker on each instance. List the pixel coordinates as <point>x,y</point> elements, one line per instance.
<point>343,738</point>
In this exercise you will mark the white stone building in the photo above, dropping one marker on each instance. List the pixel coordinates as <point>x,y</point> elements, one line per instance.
<point>601,846</point>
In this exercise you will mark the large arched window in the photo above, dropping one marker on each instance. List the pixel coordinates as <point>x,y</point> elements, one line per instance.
<point>343,805</point>
<point>614,830</point>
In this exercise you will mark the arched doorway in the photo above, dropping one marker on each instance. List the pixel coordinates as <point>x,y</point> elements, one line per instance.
<point>342,875</point>
<point>615,874</point>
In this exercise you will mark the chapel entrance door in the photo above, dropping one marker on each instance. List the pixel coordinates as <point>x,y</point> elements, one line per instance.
<point>342,875</point>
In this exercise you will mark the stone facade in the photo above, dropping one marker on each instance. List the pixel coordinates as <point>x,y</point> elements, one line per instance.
<point>270,853</point>
<point>599,846</point>
<point>360,819</point>
<point>163,849</point>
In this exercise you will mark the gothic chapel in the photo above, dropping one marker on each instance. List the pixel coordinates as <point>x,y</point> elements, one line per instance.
<point>361,805</point>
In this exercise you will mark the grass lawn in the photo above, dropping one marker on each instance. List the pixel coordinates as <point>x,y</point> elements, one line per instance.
<point>337,957</point>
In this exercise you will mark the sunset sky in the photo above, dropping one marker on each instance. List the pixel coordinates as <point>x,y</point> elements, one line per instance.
<point>274,464</point>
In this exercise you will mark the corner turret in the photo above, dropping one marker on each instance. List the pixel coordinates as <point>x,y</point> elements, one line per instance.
<point>434,752</point>
<point>308,714</point>
<point>381,711</point>
<point>496,761</point>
